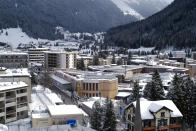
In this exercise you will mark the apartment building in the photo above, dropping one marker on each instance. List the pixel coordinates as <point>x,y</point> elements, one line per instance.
<point>60,60</point>
<point>179,54</point>
<point>16,75</point>
<point>13,101</point>
<point>11,59</point>
<point>90,84</point>
<point>37,55</point>
<point>160,115</point>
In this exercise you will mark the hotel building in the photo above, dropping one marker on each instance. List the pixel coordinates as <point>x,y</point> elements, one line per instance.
<point>60,60</point>
<point>13,59</point>
<point>37,54</point>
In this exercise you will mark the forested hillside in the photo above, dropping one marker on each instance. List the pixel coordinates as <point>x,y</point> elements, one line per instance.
<point>174,26</point>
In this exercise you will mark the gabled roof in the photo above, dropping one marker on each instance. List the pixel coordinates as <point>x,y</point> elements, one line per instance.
<point>147,107</point>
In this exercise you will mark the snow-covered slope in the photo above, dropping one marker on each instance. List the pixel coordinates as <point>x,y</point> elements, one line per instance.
<point>138,8</point>
<point>15,36</point>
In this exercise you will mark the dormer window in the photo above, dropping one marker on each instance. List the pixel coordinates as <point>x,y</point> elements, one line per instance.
<point>162,114</point>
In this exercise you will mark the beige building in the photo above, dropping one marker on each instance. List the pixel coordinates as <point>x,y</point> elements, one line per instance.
<point>13,101</point>
<point>91,84</point>
<point>13,59</point>
<point>160,115</point>
<point>88,60</point>
<point>60,60</point>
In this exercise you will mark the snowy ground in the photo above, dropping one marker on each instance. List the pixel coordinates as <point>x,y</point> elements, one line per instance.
<point>25,125</point>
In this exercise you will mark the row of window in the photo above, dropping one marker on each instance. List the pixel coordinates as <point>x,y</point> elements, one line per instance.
<point>7,60</point>
<point>90,86</point>
<point>90,94</point>
<point>12,57</point>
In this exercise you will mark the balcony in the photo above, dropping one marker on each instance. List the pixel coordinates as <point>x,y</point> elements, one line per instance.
<point>21,94</point>
<point>10,119</point>
<point>22,107</point>
<point>2,98</point>
<point>149,128</point>
<point>175,126</point>
<point>2,112</point>
<point>11,94</point>
<point>11,102</point>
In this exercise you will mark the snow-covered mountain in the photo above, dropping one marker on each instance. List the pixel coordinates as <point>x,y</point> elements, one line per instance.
<point>141,8</point>
<point>39,18</point>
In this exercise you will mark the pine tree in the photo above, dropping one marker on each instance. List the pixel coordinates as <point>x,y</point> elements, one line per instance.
<point>96,116</point>
<point>129,58</point>
<point>193,107</point>
<point>95,60</point>
<point>136,90</point>
<point>188,107</point>
<point>177,93</point>
<point>33,79</point>
<point>110,118</point>
<point>183,95</point>
<point>80,64</point>
<point>113,59</point>
<point>120,62</point>
<point>154,89</point>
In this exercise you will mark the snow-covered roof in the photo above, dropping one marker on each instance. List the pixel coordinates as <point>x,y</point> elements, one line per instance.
<point>12,53</point>
<point>16,72</point>
<point>123,94</point>
<point>11,85</point>
<point>58,79</point>
<point>40,115</point>
<point>147,107</point>
<point>60,110</point>
<point>54,98</point>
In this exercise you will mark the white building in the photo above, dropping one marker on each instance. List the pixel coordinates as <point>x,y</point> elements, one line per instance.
<point>179,54</point>
<point>13,101</point>
<point>37,54</point>
<point>16,75</point>
<point>60,60</point>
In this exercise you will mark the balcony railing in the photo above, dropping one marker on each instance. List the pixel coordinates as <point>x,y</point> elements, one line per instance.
<point>10,100</point>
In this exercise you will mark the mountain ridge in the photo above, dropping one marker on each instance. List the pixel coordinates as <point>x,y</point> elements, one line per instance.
<point>39,18</point>
<point>173,26</point>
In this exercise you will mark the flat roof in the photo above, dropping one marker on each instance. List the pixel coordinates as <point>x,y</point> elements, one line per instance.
<point>59,110</point>
<point>54,98</point>
<point>11,85</point>
<point>12,53</point>
<point>58,79</point>
<point>123,94</point>
<point>16,72</point>
<point>40,115</point>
